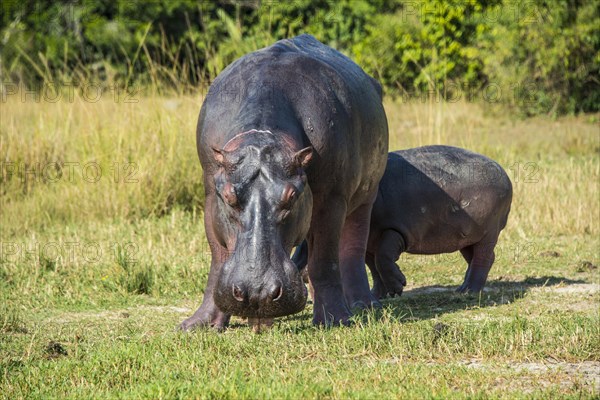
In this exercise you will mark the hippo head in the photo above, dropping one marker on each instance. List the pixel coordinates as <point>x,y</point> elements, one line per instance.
<point>264,198</point>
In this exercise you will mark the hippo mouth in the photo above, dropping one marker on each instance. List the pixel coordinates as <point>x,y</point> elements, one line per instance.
<point>259,325</point>
<point>261,296</point>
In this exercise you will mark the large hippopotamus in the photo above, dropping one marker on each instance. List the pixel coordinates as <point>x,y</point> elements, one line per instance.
<point>293,141</point>
<point>433,200</point>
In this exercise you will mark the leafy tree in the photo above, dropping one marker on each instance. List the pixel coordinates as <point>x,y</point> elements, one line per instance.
<point>541,56</point>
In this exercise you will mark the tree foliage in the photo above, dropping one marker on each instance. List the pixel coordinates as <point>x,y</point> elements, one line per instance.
<point>540,56</point>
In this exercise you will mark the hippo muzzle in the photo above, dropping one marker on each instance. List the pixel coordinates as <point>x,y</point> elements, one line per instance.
<point>264,290</point>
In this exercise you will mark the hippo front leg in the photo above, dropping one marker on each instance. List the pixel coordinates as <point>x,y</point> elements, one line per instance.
<point>390,246</point>
<point>208,315</point>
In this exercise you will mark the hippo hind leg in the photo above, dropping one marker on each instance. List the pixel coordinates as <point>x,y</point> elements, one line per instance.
<point>378,290</point>
<point>467,253</point>
<point>329,307</point>
<point>391,279</point>
<point>353,246</point>
<point>480,258</point>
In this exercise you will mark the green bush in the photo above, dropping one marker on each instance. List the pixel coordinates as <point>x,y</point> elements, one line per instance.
<point>425,46</point>
<point>546,54</point>
<point>538,56</point>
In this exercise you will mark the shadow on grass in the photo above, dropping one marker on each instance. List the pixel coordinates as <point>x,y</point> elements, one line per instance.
<point>430,301</point>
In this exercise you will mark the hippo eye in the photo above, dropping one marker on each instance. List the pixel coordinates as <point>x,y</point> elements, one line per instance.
<point>291,197</point>
<point>229,195</point>
<point>288,196</point>
<point>284,214</point>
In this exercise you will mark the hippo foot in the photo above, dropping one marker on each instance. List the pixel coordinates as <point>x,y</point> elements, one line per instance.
<point>378,291</point>
<point>365,303</point>
<point>382,294</point>
<point>332,317</point>
<point>468,287</point>
<point>394,286</point>
<point>202,319</point>
<point>359,296</point>
<point>462,288</point>
<point>474,282</point>
<point>330,310</point>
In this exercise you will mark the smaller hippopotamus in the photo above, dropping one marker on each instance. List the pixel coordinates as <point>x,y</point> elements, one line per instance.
<point>433,200</point>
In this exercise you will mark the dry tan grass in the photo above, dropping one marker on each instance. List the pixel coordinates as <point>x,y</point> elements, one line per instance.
<point>145,152</point>
<point>553,164</point>
<point>110,322</point>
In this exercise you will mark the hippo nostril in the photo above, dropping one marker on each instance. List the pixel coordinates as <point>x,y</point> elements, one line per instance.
<point>276,293</point>
<point>238,293</point>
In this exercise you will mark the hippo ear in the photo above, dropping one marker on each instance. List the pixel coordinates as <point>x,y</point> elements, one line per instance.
<point>219,157</point>
<point>303,157</point>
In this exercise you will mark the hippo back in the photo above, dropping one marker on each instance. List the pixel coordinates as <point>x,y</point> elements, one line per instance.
<point>441,198</point>
<point>311,93</point>
<point>293,142</point>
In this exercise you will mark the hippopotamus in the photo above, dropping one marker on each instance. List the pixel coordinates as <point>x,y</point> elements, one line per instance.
<point>292,140</point>
<point>433,200</point>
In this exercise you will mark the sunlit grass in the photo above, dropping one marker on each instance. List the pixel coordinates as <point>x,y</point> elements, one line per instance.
<point>96,272</point>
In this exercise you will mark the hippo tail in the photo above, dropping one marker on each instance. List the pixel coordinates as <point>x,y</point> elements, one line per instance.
<point>509,194</point>
<point>377,86</point>
<point>504,220</point>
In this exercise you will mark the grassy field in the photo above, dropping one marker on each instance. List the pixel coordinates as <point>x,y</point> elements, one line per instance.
<point>103,253</point>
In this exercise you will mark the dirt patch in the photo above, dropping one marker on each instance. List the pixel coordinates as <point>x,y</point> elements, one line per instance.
<point>181,310</point>
<point>552,372</point>
<point>426,290</point>
<point>590,368</point>
<point>550,253</point>
<point>575,288</point>
<point>529,376</point>
<point>118,314</point>
<point>561,288</point>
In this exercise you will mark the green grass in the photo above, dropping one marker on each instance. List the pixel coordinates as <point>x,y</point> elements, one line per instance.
<point>95,276</point>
